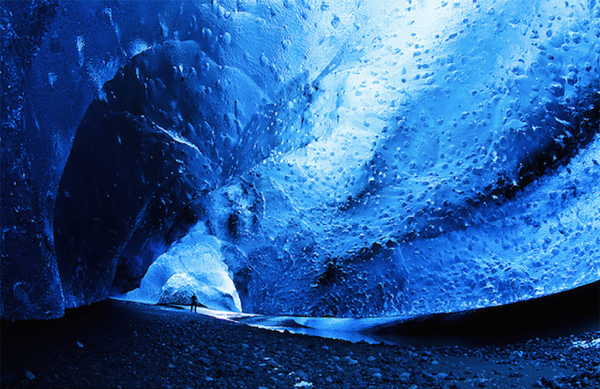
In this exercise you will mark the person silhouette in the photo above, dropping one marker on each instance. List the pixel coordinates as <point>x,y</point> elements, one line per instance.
<point>194,303</point>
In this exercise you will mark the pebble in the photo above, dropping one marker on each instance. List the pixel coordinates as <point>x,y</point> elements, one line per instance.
<point>285,364</point>
<point>374,370</point>
<point>405,377</point>
<point>205,361</point>
<point>351,361</point>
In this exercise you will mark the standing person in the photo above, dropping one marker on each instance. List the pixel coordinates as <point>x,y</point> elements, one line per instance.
<point>194,303</point>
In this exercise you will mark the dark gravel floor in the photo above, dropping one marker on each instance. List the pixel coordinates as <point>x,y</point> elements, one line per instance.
<point>116,344</point>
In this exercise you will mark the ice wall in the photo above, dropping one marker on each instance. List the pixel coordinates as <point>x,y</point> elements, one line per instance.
<point>437,179</point>
<point>352,158</point>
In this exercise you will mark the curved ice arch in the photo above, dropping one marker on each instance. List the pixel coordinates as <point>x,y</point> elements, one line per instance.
<point>175,123</point>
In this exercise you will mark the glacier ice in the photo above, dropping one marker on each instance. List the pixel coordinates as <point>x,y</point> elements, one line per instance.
<point>193,265</point>
<point>350,158</point>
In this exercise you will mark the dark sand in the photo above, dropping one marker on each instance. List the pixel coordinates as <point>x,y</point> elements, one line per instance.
<point>116,344</point>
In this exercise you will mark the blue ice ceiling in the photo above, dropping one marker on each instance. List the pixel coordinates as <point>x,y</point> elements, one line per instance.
<point>343,158</point>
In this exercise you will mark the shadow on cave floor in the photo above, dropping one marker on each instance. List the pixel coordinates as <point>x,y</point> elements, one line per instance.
<point>133,345</point>
<point>562,314</point>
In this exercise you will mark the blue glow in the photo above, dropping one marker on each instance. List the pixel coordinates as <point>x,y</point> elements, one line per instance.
<point>358,158</point>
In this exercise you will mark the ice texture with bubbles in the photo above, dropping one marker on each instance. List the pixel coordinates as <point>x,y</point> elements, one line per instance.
<point>325,158</point>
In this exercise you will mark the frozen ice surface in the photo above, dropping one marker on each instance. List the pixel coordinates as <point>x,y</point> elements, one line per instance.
<point>350,329</point>
<point>348,158</point>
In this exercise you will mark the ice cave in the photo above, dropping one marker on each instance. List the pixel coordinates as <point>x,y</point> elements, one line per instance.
<point>347,158</point>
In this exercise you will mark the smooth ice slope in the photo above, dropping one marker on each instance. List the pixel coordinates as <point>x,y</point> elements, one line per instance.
<point>344,158</point>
